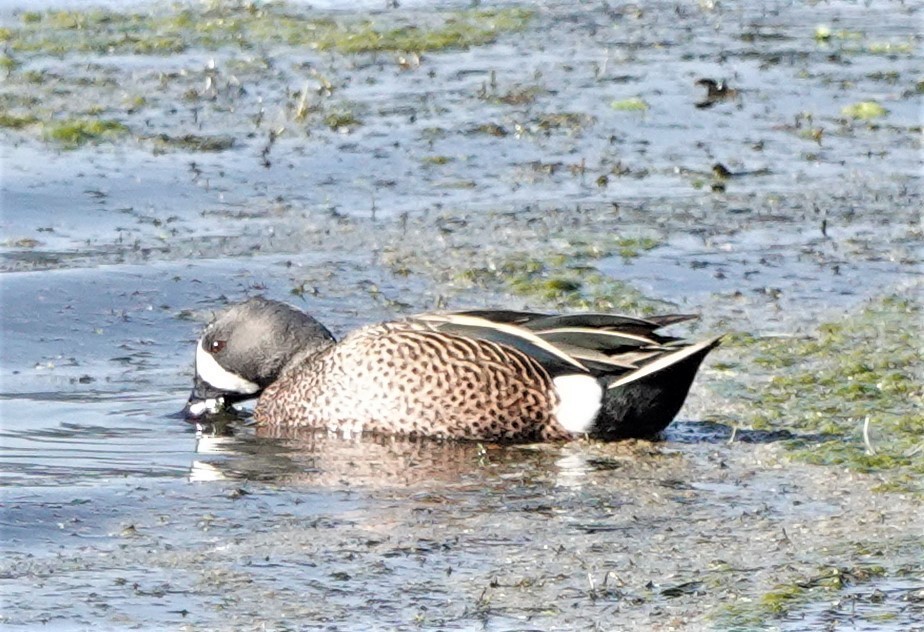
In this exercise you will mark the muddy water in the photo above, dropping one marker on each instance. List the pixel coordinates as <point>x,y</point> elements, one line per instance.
<point>118,515</point>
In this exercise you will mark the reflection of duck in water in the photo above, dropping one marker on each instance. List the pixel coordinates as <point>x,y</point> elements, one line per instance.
<point>483,375</point>
<point>307,456</point>
<point>302,456</point>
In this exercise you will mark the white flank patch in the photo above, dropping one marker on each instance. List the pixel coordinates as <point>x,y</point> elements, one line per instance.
<point>579,402</point>
<point>213,373</point>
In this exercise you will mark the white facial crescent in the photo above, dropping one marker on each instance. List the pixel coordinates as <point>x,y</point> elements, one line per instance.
<point>217,376</point>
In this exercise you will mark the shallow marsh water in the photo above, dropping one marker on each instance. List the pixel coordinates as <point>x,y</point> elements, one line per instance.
<point>540,170</point>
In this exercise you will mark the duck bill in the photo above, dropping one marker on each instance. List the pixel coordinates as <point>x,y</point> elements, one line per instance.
<point>205,400</point>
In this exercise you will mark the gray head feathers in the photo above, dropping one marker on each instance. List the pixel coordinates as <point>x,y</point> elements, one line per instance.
<point>258,338</point>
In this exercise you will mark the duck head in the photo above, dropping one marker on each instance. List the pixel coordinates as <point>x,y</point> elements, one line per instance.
<point>246,348</point>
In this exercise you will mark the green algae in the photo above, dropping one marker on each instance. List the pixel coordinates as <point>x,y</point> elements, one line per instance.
<point>632,247</point>
<point>630,105</point>
<point>16,121</point>
<point>249,26</point>
<point>72,133</point>
<point>864,111</point>
<point>855,42</point>
<point>855,385</point>
<point>567,278</point>
<point>8,64</point>
<point>214,26</point>
<point>890,48</point>
<point>786,598</point>
<point>462,30</point>
<point>823,33</point>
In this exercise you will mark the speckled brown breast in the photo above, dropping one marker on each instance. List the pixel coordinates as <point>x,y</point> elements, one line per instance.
<point>404,378</point>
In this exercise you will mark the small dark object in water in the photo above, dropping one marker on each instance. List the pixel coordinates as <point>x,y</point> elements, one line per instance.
<point>720,171</point>
<point>715,91</point>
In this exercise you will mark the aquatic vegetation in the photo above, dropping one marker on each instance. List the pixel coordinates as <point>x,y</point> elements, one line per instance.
<point>341,119</point>
<point>634,104</point>
<point>72,133</point>
<point>567,279</point>
<point>794,595</point>
<point>8,63</point>
<point>24,242</point>
<point>458,184</point>
<point>436,160</point>
<point>193,142</point>
<point>855,42</point>
<point>823,33</point>
<point>890,48</point>
<point>545,285</point>
<point>16,121</point>
<point>890,77</point>
<point>135,103</point>
<point>568,121</point>
<point>864,110</point>
<point>856,385</point>
<point>247,26</point>
<point>631,247</point>
<point>490,129</point>
<point>517,95</point>
<point>463,30</point>
<point>815,134</point>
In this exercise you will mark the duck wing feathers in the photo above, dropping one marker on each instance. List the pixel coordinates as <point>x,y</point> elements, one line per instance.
<point>555,360</point>
<point>609,346</point>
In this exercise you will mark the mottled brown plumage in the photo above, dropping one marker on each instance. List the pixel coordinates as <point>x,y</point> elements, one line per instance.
<point>406,378</point>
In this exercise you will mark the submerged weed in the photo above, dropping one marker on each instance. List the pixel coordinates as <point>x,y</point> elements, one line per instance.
<point>864,111</point>
<point>341,119</point>
<point>630,105</point>
<point>16,121</point>
<point>566,279</point>
<point>72,133</point>
<point>247,26</point>
<point>8,64</point>
<point>786,598</point>
<point>436,160</point>
<point>857,381</point>
<point>193,142</point>
<point>632,247</point>
<point>855,42</point>
<point>823,33</point>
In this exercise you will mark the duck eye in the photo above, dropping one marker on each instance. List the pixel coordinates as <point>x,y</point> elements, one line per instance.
<point>217,346</point>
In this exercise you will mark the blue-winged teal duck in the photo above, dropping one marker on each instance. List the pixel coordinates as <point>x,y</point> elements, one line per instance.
<point>485,375</point>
